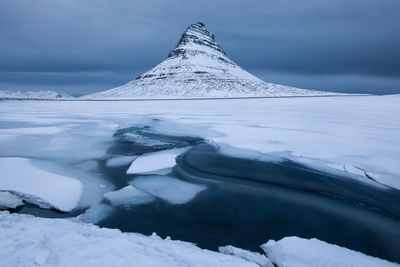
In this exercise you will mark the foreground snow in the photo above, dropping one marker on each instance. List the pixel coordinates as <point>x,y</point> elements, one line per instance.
<point>38,186</point>
<point>31,241</point>
<point>299,252</point>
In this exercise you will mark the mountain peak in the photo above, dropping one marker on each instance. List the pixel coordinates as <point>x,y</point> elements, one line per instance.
<point>198,67</point>
<point>196,38</point>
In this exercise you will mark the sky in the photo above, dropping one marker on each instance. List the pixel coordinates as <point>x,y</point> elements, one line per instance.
<point>83,46</point>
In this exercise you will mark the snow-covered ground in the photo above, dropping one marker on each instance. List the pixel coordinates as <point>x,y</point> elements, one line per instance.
<point>66,140</point>
<point>358,134</point>
<point>45,95</point>
<point>30,241</point>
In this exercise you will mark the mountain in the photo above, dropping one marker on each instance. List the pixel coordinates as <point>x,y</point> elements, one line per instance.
<point>34,95</point>
<point>198,68</point>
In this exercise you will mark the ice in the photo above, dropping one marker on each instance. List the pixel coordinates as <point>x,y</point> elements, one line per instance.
<point>9,200</point>
<point>120,161</point>
<point>128,196</point>
<point>95,213</point>
<point>38,186</point>
<point>155,163</point>
<point>361,131</point>
<point>29,241</point>
<point>299,252</point>
<point>260,260</point>
<point>171,189</point>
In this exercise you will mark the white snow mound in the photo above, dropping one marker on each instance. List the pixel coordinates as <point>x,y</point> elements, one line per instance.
<point>299,252</point>
<point>31,241</point>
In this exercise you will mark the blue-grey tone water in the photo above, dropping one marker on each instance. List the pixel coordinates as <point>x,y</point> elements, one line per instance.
<point>248,202</point>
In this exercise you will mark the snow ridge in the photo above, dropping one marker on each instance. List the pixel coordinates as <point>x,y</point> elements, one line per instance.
<point>34,95</point>
<point>198,68</point>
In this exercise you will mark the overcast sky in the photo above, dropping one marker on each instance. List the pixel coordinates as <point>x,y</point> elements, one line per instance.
<point>81,46</point>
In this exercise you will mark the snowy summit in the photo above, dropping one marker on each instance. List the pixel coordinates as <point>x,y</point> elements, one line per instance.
<point>198,68</point>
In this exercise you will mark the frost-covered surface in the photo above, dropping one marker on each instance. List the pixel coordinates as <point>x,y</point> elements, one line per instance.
<point>128,196</point>
<point>23,95</point>
<point>299,252</point>
<point>198,68</point>
<point>346,134</point>
<point>9,200</point>
<point>168,188</point>
<point>30,241</point>
<point>34,185</point>
<point>155,163</point>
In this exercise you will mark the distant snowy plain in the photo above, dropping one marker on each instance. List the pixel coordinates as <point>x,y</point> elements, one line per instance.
<point>357,135</point>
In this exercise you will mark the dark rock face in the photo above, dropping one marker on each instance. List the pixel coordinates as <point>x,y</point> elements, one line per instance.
<point>196,34</point>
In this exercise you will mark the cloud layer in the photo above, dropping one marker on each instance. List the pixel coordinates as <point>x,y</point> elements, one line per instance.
<point>85,46</point>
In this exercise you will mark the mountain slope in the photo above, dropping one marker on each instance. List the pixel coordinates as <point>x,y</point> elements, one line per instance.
<point>196,68</point>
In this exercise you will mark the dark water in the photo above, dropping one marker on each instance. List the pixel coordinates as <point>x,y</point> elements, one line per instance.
<point>248,202</point>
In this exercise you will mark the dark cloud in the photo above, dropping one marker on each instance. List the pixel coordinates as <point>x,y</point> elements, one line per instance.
<point>85,46</point>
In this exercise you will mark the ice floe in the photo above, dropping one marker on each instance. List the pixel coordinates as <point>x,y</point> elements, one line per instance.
<point>128,196</point>
<point>171,189</point>
<point>41,187</point>
<point>155,163</point>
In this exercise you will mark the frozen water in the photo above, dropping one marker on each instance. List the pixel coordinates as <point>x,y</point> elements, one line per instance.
<point>9,200</point>
<point>295,251</point>
<point>168,188</point>
<point>128,196</point>
<point>38,186</point>
<point>260,260</point>
<point>120,161</point>
<point>155,163</point>
<point>95,213</point>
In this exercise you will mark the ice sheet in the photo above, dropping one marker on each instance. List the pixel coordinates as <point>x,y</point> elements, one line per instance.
<point>361,131</point>
<point>168,188</point>
<point>38,186</point>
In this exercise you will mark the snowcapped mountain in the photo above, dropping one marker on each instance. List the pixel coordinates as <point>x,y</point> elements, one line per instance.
<point>25,95</point>
<point>198,68</point>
